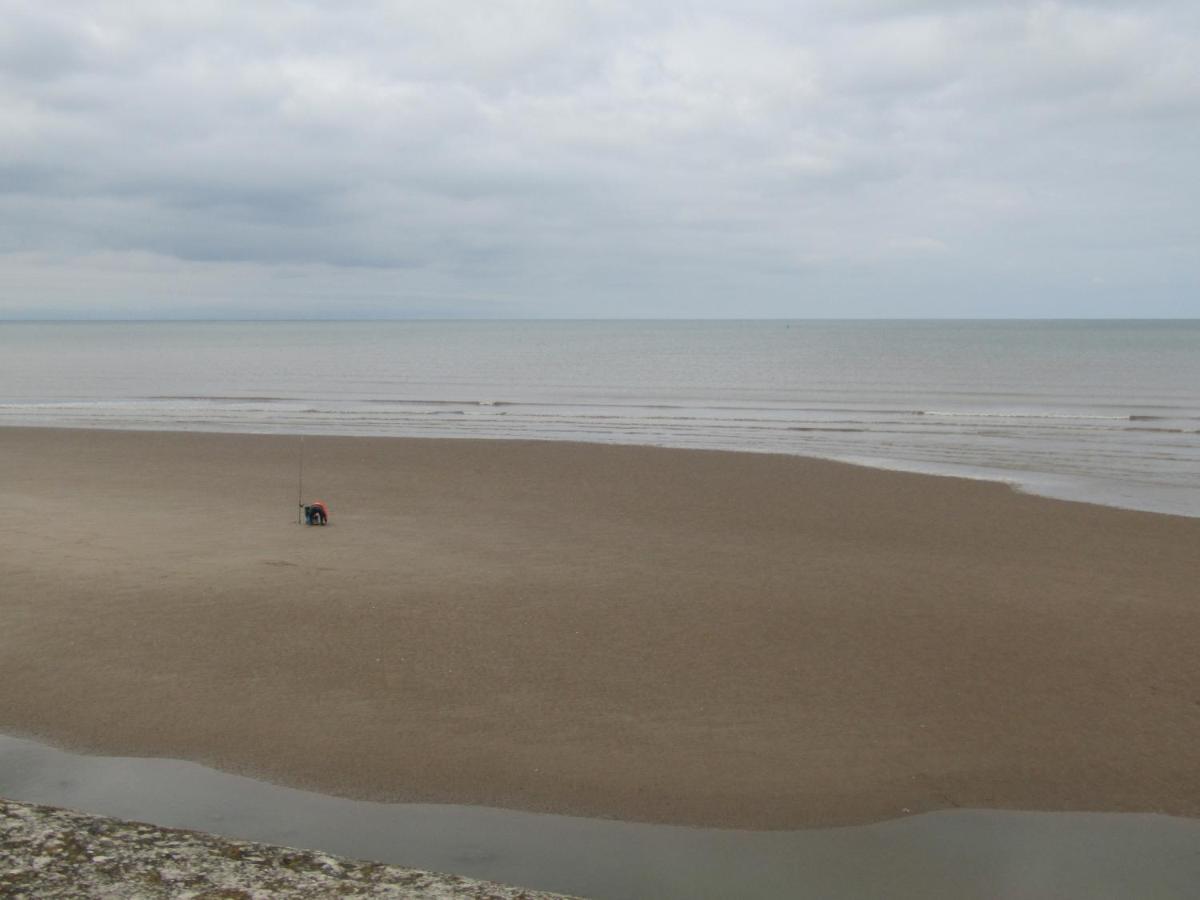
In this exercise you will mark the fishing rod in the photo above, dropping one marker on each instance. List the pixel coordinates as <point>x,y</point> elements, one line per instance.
<point>300,485</point>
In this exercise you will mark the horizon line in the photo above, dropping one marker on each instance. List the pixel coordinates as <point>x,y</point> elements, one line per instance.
<point>581,319</point>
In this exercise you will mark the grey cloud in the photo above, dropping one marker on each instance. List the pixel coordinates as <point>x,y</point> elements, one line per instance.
<point>547,158</point>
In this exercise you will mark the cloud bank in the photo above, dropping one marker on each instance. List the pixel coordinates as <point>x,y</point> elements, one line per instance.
<point>540,158</point>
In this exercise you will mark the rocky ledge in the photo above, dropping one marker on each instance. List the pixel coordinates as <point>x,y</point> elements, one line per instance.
<point>46,852</point>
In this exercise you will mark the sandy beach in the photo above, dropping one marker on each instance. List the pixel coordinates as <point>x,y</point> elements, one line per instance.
<point>662,635</point>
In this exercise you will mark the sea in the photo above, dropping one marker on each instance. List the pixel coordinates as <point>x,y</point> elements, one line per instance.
<point>1099,411</point>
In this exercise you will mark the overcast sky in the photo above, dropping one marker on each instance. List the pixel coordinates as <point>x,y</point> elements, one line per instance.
<point>545,158</point>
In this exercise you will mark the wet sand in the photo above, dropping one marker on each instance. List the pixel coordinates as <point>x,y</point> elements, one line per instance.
<point>659,635</point>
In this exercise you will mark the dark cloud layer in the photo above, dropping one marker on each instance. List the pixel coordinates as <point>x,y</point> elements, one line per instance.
<point>603,158</point>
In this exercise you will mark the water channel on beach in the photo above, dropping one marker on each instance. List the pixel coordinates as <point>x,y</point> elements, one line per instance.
<point>954,854</point>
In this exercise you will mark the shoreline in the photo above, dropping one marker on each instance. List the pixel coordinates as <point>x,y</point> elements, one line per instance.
<point>1019,481</point>
<point>698,637</point>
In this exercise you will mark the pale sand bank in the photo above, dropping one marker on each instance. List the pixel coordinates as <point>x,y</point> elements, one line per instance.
<point>664,635</point>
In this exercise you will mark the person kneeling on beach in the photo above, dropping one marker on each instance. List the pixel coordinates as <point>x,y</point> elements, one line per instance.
<point>317,514</point>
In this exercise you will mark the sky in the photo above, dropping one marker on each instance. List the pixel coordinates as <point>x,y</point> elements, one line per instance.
<point>547,158</point>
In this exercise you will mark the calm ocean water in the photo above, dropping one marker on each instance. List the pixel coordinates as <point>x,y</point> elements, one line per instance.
<point>1103,411</point>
